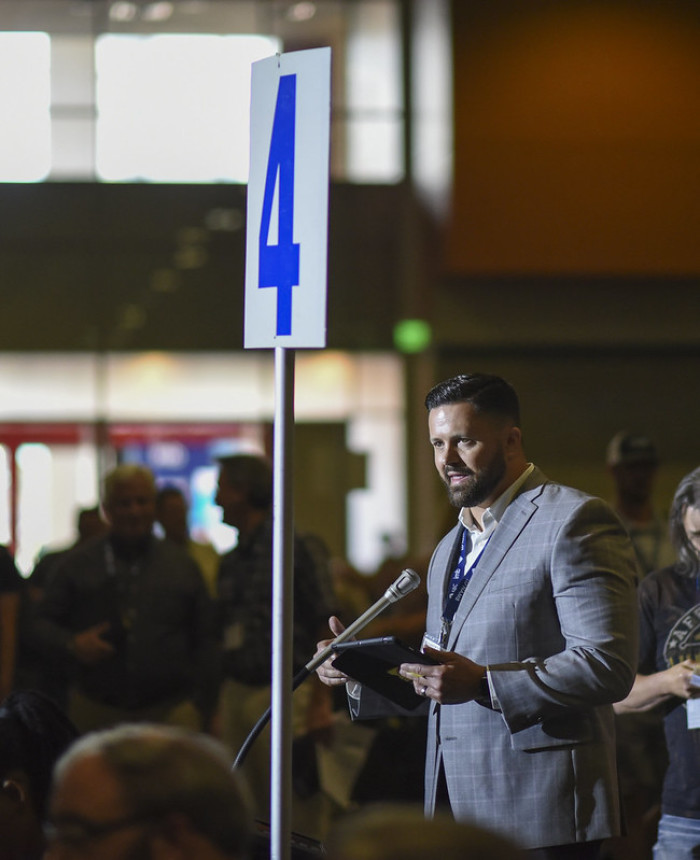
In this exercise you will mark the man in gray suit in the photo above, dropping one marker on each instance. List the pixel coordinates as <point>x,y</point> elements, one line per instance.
<point>532,617</point>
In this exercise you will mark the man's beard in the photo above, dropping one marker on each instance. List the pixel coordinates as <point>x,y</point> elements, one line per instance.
<point>480,485</point>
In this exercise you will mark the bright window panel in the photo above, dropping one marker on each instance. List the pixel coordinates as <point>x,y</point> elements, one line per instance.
<point>374,95</point>
<point>34,514</point>
<point>73,106</point>
<point>375,150</point>
<point>374,58</point>
<point>4,495</point>
<point>175,108</point>
<point>25,95</point>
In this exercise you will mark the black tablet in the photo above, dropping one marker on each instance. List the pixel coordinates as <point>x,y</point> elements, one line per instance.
<point>375,662</point>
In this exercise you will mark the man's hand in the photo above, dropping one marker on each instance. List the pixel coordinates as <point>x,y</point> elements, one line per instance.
<point>457,679</point>
<point>89,647</point>
<point>330,676</point>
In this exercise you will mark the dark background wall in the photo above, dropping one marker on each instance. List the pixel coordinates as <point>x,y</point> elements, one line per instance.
<point>577,137</point>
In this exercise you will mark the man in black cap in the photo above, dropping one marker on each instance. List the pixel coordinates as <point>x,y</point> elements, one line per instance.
<point>633,462</point>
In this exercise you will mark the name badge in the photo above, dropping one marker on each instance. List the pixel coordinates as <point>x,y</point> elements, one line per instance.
<point>429,642</point>
<point>693,706</point>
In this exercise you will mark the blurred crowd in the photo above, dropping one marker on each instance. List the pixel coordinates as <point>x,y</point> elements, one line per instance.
<point>124,629</point>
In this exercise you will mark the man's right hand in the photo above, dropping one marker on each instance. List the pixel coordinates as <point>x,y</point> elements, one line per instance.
<point>89,647</point>
<point>330,676</point>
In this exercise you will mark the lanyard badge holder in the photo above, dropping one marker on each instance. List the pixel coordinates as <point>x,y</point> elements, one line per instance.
<point>461,575</point>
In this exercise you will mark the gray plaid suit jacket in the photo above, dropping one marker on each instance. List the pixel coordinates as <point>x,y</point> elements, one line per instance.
<point>551,610</point>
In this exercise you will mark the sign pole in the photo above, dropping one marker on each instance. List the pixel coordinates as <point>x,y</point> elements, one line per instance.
<point>282,608</point>
<point>285,308</point>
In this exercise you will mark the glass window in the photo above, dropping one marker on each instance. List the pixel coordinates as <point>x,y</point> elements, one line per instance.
<point>175,108</point>
<point>25,87</point>
<point>5,466</point>
<point>374,95</point>
<point>34,514</point>
<point>109,92</point>
<point>72,107</point>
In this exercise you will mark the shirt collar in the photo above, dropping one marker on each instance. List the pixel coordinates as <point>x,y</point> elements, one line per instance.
<point>494,513</point>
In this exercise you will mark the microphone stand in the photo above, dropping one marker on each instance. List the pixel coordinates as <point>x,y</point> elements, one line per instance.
<point>407,581</point>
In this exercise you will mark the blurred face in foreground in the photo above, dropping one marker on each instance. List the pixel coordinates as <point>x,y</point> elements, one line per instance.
<point>90,819</point>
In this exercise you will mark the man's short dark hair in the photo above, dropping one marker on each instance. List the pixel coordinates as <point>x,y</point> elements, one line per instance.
<point>251,473</point>
<point>487,393</point>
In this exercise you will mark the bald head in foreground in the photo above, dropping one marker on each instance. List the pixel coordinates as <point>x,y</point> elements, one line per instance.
<point>146,792</point>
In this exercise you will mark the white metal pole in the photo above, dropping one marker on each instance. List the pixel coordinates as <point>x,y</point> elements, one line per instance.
<point>282,609</point>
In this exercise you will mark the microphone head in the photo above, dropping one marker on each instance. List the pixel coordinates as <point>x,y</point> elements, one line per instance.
<point>407,581</point>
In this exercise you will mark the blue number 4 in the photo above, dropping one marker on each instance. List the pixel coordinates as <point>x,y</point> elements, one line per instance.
<point>279,263</point>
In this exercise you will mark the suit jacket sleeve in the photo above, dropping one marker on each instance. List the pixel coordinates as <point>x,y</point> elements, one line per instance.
<point>587,655</point>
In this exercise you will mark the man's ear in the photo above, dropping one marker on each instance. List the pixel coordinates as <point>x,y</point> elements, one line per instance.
<point>514,440</point>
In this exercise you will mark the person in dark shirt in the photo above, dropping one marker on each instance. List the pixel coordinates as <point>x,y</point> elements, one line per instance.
<point>34,670</point>
<point>131,617</point>
<point>34,732</point>
<point>668,674</point>
<point>245,604</point>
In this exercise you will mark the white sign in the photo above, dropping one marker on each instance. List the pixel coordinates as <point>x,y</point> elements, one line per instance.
<point>287,213</point>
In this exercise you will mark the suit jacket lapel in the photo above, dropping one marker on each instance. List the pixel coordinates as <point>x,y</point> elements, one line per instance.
<point>515,518</point>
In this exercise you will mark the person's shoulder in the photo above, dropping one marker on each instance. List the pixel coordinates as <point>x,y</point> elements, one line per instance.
<point>91,553</point>
<point>80,567</point>
<point>661,580</point>
<point>171,552</point>
<point>553,493</point>
<point>175,562</point>
<point>561,503</point>
<point>200,548</point>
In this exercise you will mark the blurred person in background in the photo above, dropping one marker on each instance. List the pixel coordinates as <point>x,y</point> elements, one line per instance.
<point>171,513</point>
<point>34,732</point>
<point>632,461</point>
<point>245,489</point>
<point>130,617</point>
<point>35,670</point>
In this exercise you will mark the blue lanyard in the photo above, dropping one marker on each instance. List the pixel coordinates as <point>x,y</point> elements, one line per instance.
<point>458,585</point>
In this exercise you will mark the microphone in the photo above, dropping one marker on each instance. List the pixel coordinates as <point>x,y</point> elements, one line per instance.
<point>407,581</point>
